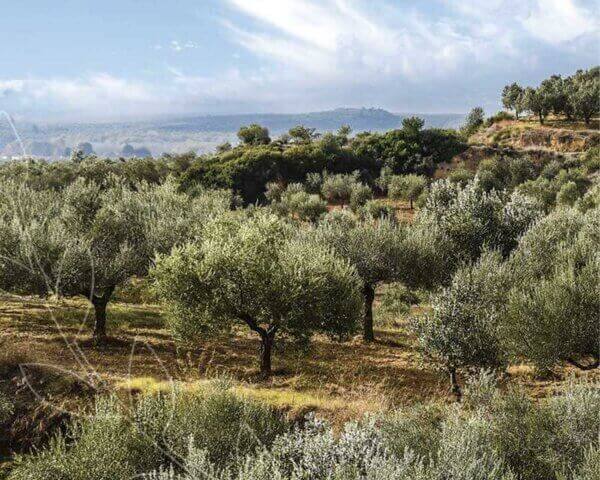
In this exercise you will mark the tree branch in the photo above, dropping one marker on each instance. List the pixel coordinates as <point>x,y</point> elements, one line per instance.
<point>595,364</point>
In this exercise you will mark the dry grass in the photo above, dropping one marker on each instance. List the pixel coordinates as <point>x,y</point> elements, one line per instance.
<point>340,381</point>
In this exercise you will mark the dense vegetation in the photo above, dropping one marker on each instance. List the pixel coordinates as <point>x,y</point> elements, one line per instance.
<point>291,238</point>
<point>213,434</point>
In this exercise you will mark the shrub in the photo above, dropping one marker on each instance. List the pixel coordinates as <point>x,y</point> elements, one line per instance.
<point>116,444</point>
<point>568,194</point>
<point>461,176</point>
<point>360,195</point>
<point>493,436</point>
<point>591,159</point>
<point>338,188</point>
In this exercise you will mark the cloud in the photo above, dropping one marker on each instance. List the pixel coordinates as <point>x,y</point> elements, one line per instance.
<point>297,55</point>
<point>346,39</point>
<point>339,38</point>
<point>559,21</point>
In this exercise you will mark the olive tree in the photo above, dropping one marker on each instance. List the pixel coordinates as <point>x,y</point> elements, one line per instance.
<point>86,240</point>
<point>374,248</point>
<point>255,271</point>
<point>554,305</point>
<point>471,219</point>
<point>537,101</point>
<point>407,187</point>
<point>254,134</point>
<point>295,202</point>
<point>512,98</point>
<point>463,329</point>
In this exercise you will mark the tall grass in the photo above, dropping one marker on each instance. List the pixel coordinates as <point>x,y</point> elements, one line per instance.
<point>213,434</point>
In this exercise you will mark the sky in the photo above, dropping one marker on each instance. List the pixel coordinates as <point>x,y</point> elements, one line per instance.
<point>85,60</point>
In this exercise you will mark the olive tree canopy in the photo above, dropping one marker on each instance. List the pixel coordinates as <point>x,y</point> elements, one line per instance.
<point>255,271</point>
<point>86,239</point>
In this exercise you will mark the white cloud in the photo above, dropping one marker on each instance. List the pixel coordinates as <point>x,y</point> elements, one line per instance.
<point>313,54</point>
<point>559,21</point>
<point>340,38</point>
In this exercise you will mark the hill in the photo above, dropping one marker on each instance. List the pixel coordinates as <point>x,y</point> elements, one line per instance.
<point>199,133</point>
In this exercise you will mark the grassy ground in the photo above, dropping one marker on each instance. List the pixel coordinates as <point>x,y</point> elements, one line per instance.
<point>51,369</point>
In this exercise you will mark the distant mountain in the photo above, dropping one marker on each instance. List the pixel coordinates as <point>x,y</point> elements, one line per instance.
<point>200,134</point>
<point>360,119</point>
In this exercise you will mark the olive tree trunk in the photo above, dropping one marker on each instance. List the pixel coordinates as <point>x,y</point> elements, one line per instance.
<point>266,347</point>
<point>267,339</point>
<point>454,386</point>
<point>369,295</point>
<point>100,302</point>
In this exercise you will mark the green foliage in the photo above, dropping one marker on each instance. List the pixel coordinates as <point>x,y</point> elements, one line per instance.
<point>374,210</point>
<point>574,97</point>
<point>461,176</point>
<point>295,202</point>
<point>512,98</point>
<point>338,188</point>
<point>214,435</point>
<point>505,173</point>
<point>537,101</point>
<point>591,159</point>
<point>116,444</point>
<point>302,134</point>
<point>406,187</point>
<point>359,196</point>
<point>254,135</point>
<point>474,120</point>
<point>568,194</point>
<point>468,220</point>
<point>553,307</point>
<point>373,248</point>
<point>85,240</point>
<point>463,330</point>
<point>252,270</point>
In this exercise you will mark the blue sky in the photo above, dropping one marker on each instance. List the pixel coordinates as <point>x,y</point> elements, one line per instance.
<point>121,59</point>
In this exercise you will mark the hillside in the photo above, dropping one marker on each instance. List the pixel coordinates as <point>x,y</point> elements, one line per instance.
<point>555,140</point>
<point>199,133</point>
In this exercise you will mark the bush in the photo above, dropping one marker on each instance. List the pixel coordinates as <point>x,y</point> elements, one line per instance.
<point>591,159</point>
<point>461,176</point>
<point>214,435</point>
<point>568,194</point>
<point>499,117</point>
<point>338,188</point>
<point>359,196</point>
<point>116,444</point>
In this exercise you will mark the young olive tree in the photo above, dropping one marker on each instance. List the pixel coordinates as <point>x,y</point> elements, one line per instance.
<point>87,240</point>
<point>295,202</point>
<point>512,98</point>
<point>374,248</point>
<point>463,330</point>
<point>256,272</point>
<point>554,305</point>
<point>407,187</point>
